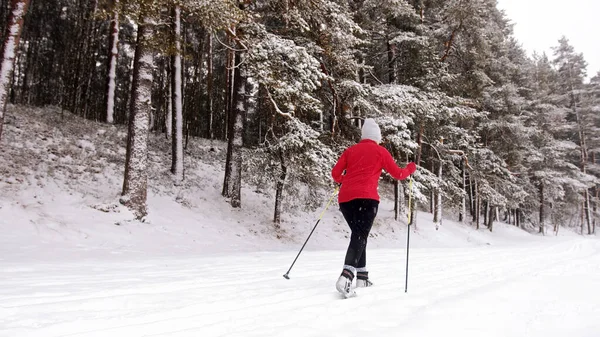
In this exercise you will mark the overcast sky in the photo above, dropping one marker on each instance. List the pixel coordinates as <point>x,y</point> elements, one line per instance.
<point>540,23</point>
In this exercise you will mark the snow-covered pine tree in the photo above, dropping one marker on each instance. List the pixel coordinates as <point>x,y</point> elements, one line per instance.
<point>292,158</point>
<point>590,108</point>
<point>545,158</point>
<point>571,68</point>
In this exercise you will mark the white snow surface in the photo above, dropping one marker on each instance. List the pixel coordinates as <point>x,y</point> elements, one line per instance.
<point>73,263</point>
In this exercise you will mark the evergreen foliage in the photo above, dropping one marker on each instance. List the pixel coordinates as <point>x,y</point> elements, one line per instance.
<point>446,80</point>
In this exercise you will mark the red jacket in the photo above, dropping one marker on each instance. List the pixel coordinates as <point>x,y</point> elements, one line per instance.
<point>363,163</point>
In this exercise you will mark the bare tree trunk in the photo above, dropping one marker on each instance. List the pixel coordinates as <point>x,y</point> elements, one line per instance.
<point>492,210</point>
<point>477,205</point>
<point>396,199</point>
<point>236,139</point>
<point>556,227</point>
<point>9,51</point>
<point>485,212</point>
<point>228,121</point>
<point>79,92</point>
<point>542,213</point>
<point>463,205</point>
<point>586,207</point>
<point>112,67</point>
<point>229,91</point>
<point>413,208</point>
<point>581,214</point>
<point>211,133</point>
<point>595,208</point>
<point>595,203</point>
<point>233,181</point>
<point>438,203</point>
<point>432,197</point>
<point>279,189</point>
<point>135,184</point>
<point>333,118</point>
<point>177,139</point>
<point>169,117</point>
<point>471,198</point>
<point>391,55</point>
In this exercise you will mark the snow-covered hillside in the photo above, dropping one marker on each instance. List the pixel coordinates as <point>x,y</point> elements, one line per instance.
<point>72,263</point>
<point>61,177</point>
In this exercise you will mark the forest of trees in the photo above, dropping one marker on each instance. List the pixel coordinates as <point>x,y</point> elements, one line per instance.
<point>498,135</point>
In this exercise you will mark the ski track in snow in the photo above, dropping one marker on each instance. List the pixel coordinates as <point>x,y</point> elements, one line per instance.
<point>543,289</point>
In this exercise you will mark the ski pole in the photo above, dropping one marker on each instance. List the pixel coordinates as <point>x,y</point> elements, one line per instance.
<point>286,275</point>
<point>408,231</point>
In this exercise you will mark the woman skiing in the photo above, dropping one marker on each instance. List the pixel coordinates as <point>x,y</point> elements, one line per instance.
<point>358,171</point>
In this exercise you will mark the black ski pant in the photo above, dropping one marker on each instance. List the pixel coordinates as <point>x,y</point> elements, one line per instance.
<point>359,214</point>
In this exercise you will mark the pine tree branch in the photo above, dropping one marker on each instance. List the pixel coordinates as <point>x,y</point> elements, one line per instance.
<point>284,114</point>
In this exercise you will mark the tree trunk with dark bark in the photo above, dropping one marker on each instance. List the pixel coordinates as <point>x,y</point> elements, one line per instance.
<point>233,181</point>
<point>542,213</point>
<point>279,189</point>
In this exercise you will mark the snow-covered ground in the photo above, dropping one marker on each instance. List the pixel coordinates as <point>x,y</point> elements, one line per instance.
<point>72,263</point>
<point>543,289</point>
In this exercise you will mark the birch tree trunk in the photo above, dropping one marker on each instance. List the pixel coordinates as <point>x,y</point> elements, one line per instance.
<point>112,67</point>
<point>177,139</point>
<point>9,51</point>
<point>135,184</point>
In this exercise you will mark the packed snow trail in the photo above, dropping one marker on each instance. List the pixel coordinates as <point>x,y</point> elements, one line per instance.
<point>544,289</point>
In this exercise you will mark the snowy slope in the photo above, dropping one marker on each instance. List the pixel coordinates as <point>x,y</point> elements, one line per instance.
<point>60,179</point>
<point>72,263</point>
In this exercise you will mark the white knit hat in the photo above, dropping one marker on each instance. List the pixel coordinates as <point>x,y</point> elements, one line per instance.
<point>370,130</point>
